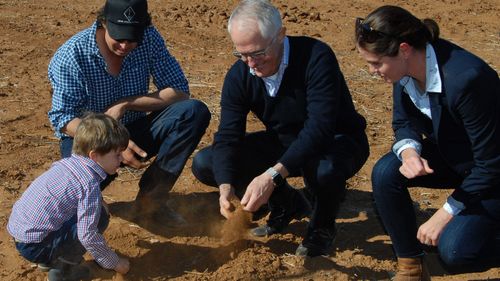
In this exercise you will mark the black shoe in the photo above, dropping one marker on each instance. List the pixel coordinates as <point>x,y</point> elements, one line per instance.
<point>318,242</point>
<point>64,270</point>
<point>280,217</point>
<point>272,227</point>
<point>75,274</point>
<point>55,275</point>
<point>263,230</point>
<point>43,266</point>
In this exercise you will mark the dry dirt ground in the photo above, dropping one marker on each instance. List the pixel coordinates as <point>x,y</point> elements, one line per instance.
<point>196,35</point>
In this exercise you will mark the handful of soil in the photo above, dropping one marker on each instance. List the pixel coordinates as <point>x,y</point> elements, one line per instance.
<point>236,226</point>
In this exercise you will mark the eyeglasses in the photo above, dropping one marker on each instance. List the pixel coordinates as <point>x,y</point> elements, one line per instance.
<point>368,33</point>
<point>255,55</point>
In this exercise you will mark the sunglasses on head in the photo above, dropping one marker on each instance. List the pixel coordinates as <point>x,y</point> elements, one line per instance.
<point>368,33</point>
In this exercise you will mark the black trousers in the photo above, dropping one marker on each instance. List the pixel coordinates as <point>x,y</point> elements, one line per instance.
<point>325,175</point>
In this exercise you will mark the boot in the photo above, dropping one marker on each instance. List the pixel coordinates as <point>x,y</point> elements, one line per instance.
<point>294,206</point>
<point>64,270</point>
<point>154,187</point>
<point>412,269</point>
<point>155,179</point>
<point>317,242</point>
<point>151,201</point>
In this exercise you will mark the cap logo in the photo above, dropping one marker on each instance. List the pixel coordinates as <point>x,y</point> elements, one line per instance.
<point>129,13</point>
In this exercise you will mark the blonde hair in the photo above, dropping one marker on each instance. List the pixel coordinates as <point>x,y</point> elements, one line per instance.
<point>100,133</point>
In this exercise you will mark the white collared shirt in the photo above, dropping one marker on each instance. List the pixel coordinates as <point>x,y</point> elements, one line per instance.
<point>421,100</point>
<point>273,82</point>
<point>432,83</point>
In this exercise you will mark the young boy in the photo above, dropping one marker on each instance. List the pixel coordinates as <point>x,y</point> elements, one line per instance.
<point>61,215</point>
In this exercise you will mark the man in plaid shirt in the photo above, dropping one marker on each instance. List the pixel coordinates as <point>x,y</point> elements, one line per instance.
<point>107,68</point>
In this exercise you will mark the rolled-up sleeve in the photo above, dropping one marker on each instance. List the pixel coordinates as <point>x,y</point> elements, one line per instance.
<point>68,90</point>
<point>165,69</point>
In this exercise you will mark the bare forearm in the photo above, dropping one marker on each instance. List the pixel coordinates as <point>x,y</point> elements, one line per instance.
<point>154,101</point>
<point>70,128</point>
<point>281,169</point>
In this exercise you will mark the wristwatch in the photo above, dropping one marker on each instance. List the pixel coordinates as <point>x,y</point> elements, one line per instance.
<point>277,178</point>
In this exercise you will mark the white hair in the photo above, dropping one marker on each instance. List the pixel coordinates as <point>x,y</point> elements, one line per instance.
<point>262,12</point>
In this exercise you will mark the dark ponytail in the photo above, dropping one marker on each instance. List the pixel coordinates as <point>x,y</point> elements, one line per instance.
<point>393,25</point>
<point>433,29</point>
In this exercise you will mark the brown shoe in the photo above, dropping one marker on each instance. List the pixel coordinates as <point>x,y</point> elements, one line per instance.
<point>412,269</point>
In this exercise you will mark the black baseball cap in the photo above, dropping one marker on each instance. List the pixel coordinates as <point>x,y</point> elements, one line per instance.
<point>126,19</point>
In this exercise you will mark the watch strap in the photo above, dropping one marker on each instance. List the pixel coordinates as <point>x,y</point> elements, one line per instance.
<point>277,178</point>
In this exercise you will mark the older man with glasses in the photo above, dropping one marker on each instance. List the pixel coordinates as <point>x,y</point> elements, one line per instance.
<point>294,86</point>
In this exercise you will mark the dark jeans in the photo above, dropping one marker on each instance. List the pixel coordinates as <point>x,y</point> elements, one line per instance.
<point>63,242</point>
<point>171,134</point>
<point>472,235</point>
<point>325,176</point>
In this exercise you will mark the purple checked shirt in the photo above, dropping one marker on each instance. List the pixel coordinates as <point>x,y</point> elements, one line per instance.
<point>69,187</point>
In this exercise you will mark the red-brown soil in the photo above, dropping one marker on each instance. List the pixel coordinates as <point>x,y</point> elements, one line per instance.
<point>196,35</point>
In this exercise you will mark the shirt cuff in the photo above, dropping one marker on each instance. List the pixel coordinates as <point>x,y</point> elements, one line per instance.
<point>403,144</point>
<point>109,261</point>
<point>453,207</point>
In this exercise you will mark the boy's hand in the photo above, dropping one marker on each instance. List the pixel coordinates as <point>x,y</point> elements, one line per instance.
<point>123,266</point>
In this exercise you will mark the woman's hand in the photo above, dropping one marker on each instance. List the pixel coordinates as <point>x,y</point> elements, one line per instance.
<point>429,232</point>
<point>413,165</point>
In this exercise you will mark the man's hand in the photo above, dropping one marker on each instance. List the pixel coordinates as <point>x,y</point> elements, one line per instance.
<point>123,266</point>
<point>429,232</point>
<point>226,192</point>
<point>117,110</point>
<point>129,158</point>
<point>258,192</point>
<point>413,165</point>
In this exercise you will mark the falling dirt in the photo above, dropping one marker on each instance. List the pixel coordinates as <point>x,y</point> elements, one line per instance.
<point>237,226</point>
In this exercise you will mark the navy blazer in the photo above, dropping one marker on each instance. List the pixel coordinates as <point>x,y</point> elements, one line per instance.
<point>465,120</point>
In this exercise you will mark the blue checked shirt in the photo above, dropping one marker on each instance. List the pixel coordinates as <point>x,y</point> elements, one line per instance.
<point>70,187</point>
<point>81,83</point>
